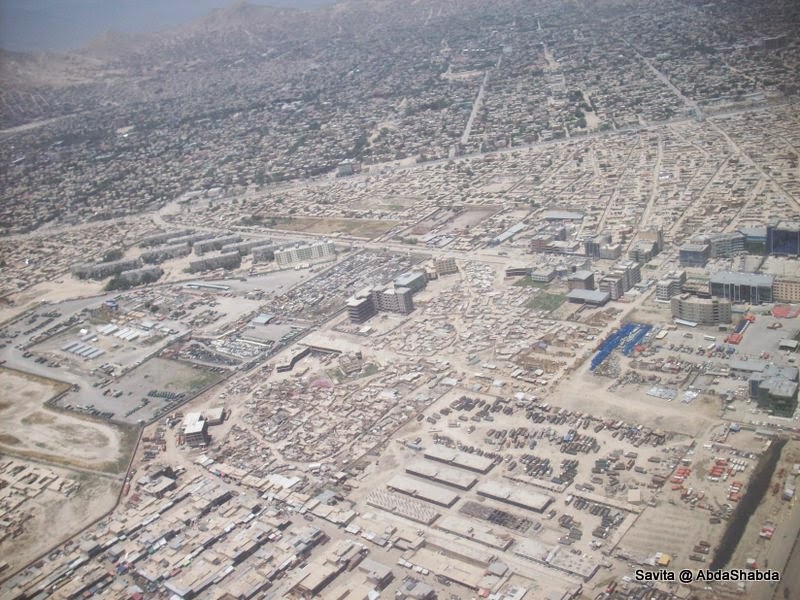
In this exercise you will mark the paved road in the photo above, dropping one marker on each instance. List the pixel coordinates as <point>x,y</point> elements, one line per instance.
<point>476,106</point>
<point>688,102</point>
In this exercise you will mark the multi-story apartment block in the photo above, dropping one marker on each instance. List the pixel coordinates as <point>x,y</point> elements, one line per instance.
<point>300,253</point>
<point>708,311</point>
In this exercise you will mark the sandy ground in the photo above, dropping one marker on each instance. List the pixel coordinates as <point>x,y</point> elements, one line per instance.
<point>54,517</point>
<point>355,227</point>
<point>790,580</point>
<point>773,553</point>
<point>28,428</point>
<point>631,404</point>
<point>66,288</point>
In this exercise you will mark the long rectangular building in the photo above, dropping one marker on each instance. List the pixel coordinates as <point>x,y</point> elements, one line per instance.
<point>470,530</point>
<point>163,253</point>
<point>105,269</point>
<point>785,289</point>
<point>753,288</point>
<point>304,253</point>
<point>231,260</point>
<point>471,462</point>
<point>204,246</point>
<point>441,474</point>
<point>422,490</point>
<point>516,496</point>
<point>160,238</point>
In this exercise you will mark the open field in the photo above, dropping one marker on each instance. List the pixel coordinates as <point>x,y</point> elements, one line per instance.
<point>468,218</point>
<point>48,291</point>
<point>394,203</point>
<point>633,404</point>
<point>30,429</point>
<point>365,228</point>
<point>547,302</point>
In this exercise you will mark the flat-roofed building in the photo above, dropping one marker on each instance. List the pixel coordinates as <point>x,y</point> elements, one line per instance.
<point>722,245</point>
<point>160,238</point>
<point>507,234</point>
<point>414,589</point>
<point>319,575</point>
<point>518,271</point>
<point>590,297</point>
<point>649,243</point>
<point>773,387</point>
<point>263,254</point>
<point>611,252</point>
<point>591,247</point>
<point>163,253</point>
<point>654,235</point>
<point>581,280</point>
<point>541,242</point>
<point>143,275</point>
<point>631,273</point>
<point>376,572</point>
<point>232,260</point>
<point>441,474</point>
<point>445,265</point>
<point>104,269</point>
<point>457,458</point>
<point>516,496</point>
<point>300,253</point>
<point>670,286</point>
<point>641,252</point>
<point>394,299</point>
<point>543,275</point>
<point>755,239</point>
<point>696,287</point>
<point>694,255</point>
<point>361,306</point>
<point>785,289</point>
<point>215,416</point>
<point>612,285</point>
<point>753,288</point>
<point>413,280</point>
<point>195,430</point>
<point>707,311</point>
<point>217,243</point>
<point>784,238</point>
<point>243,248</point>
<point>422,490</point>
<point>470,530</point>
<point>778,395</point>
<point>562,215</point>
<point>191,238</point>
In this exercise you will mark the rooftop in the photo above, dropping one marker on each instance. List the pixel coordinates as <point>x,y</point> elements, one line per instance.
<point>588,295</point>
<point>740,278</point>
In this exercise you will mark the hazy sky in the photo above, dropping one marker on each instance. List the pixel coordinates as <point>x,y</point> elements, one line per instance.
<point>65,24</point>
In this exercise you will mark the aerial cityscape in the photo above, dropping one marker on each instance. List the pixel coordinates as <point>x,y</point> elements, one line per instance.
<point>443,299</point>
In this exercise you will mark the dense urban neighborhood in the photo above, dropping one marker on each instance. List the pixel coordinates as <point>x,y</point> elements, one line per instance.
<point>405,300</point>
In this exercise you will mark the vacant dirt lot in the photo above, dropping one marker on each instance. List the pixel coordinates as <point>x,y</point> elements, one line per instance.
<point>28,428</point>
<point>355,227</point>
